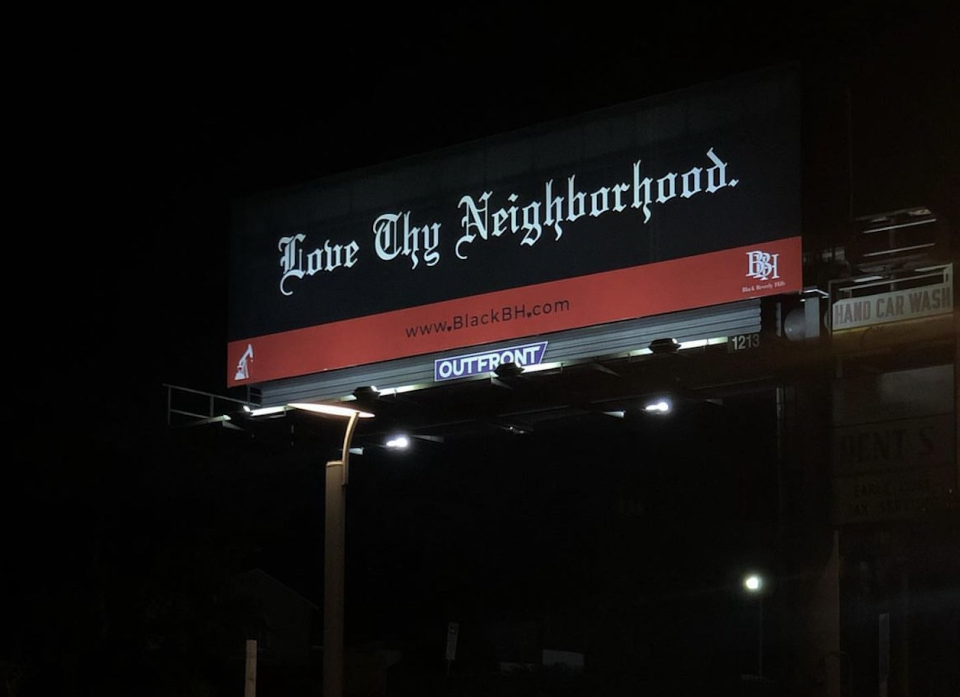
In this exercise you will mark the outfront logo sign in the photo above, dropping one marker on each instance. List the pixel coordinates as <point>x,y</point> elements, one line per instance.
<point>488,361</point>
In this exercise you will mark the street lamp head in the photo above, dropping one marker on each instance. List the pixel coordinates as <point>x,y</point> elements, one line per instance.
<point>753,583</point>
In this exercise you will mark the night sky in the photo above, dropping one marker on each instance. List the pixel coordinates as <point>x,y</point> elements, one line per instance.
<point>137,138</point>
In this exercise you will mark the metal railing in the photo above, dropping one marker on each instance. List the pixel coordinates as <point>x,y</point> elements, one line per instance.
<point>189,407</point>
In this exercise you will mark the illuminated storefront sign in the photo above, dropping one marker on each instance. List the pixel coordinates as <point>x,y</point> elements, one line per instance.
<point>672,203</point>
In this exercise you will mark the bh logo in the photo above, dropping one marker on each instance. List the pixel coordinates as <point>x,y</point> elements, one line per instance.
<point>762,265</point>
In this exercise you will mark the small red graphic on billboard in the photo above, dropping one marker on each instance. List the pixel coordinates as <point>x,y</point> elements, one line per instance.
<point>243,365</point>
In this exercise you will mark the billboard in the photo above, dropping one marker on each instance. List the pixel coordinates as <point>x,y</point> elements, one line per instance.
<point>681,201</point>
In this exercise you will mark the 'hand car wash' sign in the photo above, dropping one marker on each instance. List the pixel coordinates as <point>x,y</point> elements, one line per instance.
<point>667,204</point>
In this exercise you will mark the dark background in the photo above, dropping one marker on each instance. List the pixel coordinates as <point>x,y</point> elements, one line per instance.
<point>132,132</point>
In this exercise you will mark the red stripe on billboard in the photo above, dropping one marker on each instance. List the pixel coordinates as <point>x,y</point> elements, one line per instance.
<point>767,268</point>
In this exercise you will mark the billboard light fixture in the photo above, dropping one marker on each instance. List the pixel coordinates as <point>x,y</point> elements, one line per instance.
<point>398,442</point>
<point>683,345</point>
<point>540,367</point>
<point>366,392</point>
<point>664,346</point>
<point>263,411</point>
<point>402,389</point>
<point>658,406</point>
<point>508,369</point>
<point>897,250</point>
<point>331,409</point>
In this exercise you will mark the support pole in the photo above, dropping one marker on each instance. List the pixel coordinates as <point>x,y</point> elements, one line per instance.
<point>760,641</point>
<point>250,684</point>
<point>335,490</point>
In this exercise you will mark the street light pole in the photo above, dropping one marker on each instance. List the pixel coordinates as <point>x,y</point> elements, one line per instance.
<point>754,585</point>
<point>760,639</point>
<point>334,543</point>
